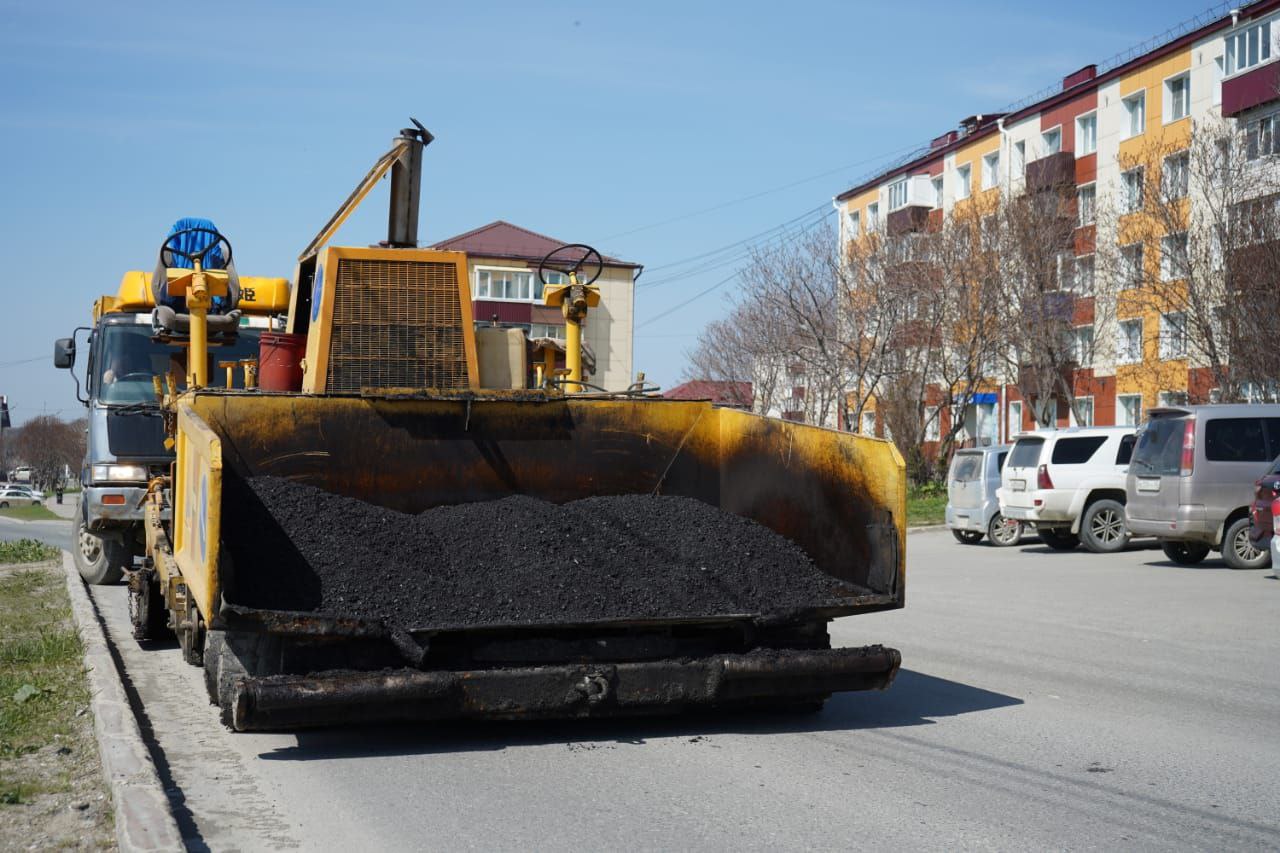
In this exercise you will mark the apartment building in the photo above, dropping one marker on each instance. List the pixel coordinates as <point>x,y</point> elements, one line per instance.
<point>1104,135</point>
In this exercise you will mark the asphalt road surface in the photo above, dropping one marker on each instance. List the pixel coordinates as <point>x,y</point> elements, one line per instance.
<point>1047,700</point>
<point>55,533</point>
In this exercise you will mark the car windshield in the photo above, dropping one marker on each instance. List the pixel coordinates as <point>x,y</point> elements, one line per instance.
<point>128,358</point>
<point>1159,447</point>
<point>966,467</point>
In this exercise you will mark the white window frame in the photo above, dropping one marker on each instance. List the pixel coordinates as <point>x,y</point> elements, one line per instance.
<point>1127,204</point>
<point>1124,355</point>
<point>937,183</point>
<point>1091,189</point>
<point>853,226</point>
<point>964,181</point>
<point>1172,398</point>
<point>1173,347</point>
<point>1137,102</point>
<point>1219,72</point>
<point>1265,50</point>
<point>1056,132</point>
<point>1077,284</point>
<point>1262,137</point>
<point>1184,185</point>
<point>1167,272</point>
<point>1133,277</point>
<point>1020,158</point>
<point>1121,409</point>
<point>1083,355</point>
<point>1167,114</point>
<point>1072,420</point>
<point>1014,426</point>
<point>991,170</point>
<point>933,423</point>
<point>486,268</point>
<point>1083,148</point>
<point>862,427</point>
<point>873,217</point>
<point>899,194</point>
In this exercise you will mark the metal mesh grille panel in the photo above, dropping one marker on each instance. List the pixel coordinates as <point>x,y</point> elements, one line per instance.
<point>396,324</point>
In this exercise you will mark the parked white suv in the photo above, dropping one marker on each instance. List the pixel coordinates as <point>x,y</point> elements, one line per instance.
<point>1069,484</point>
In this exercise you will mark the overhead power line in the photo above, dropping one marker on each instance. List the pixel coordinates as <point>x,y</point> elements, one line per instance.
<point>23,361</point>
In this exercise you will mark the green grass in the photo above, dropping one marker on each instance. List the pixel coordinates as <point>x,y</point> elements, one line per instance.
<point>26,551</point>
<point>29,513</point>
<point>41,678</point>
<point>926,505</point>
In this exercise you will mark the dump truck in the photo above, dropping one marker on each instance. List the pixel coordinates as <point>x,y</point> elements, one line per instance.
<point>403,403</point>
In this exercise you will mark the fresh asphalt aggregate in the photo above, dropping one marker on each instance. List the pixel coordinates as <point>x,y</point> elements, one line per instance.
<point>1047,700</point>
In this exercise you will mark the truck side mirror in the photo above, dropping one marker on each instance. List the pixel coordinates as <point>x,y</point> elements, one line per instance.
<point>64,353</point>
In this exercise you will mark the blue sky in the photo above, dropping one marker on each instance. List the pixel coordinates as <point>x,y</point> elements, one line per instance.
<point>587,121</point>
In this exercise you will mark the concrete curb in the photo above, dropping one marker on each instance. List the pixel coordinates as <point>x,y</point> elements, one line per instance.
<point>143,818</point>
<point>927,528</point>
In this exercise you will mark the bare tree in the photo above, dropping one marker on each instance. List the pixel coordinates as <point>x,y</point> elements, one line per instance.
<point>736,351</point>
<point>50,446</point>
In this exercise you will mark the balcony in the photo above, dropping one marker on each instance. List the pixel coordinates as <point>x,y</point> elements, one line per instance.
<point>1250,89</point>
<point>1055,172</point>
<point>906,220</point>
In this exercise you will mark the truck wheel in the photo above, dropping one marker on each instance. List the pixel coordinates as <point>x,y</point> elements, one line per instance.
<point>1004,532</point>
<point>1184,553</point>
<point>967,537</point>
<point>1102,530</point>
<point>100,561</point>
<point>1238,551</point>
<point>1058,538</point>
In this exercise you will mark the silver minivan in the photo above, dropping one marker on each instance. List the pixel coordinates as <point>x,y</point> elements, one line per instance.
<point>972,509</point>
<point>1191,479</point>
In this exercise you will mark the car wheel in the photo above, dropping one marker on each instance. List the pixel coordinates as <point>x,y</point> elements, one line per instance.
<point>1102,530</point>
<point>1058,538</point>
<point>4,504</point>
<point>1004,532</point>
<point>1184,553</point>
<point>967,537</point>
<point>100,561</point>
<point>1238,550</point>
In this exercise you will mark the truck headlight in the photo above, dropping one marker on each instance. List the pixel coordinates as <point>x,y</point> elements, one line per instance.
<point>119,474</point>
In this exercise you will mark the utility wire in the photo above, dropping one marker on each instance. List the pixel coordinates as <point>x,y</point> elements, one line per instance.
<point>23,361</point>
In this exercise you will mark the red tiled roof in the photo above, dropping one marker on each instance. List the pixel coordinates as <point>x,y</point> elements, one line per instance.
<point>722,393</point>
<point>501,239</point>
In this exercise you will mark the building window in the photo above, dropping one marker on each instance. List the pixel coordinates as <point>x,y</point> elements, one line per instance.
<point>963,173</point>
<point>1261,138</point>
<point>1173,398</point>
<point>1135,109</point>
<point>1052,140</point>
<point>1248,47</point>
<point>873,217</point>
<point>1086,198</point>
<point>1173,335</point>
<point>1082,346</point>
<point>868,423</point>
<point>1176,175</point>
<point>1219,69</point>
<point>505,284</point>
<point>854,225</point>
<point>1173,256</point>
<point>1015,419</point>
<point>1129,342</point>
<point>1131,265</point>
<point>937,191</point>
<point>898,194</point>
<point>1082,412</point>
<point>1131,190</point>
<point>1020,158</point>
<point>1177,97</point>
<point>991,170</point>
<point>1083,283</point>
<point>1128,409</point>
<point>546,330</point>
<point>933,423</point>
<point>1086,134</point>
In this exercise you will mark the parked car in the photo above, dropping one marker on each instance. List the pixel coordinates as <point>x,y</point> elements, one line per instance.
<point>1069,485</point>
<point>1191,480</point>
<point>1262,515</point>
<point>16,497</point>
<point>972,508</point>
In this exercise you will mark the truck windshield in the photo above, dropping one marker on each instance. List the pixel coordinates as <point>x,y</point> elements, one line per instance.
<point>127,358</point>
<point>1159,447</point>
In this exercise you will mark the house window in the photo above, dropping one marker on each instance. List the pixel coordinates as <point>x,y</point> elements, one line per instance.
<point>991,170</point>
<point>1086,134</point>
<point>1173,256</point>
<point>898,194</point>
<point>1173,335</point>
<point>1052,140</point>
<point>1248,47</point>
<point>1261,138</point>
<point>504,284</point>
<point>937,191</point>
<point>1176,176</point>
<point>853,226</point>
<point>1082,412</point>
<point>1082,346</point>
<point>1135,110</point>
<point>933,423</point>
<point>1131,265</point>
<point>1131,190</point>
<point>1173,398</point>
<point>873,217</point>
<point>1128,409</point>
<point>1177,97</point>
<point>1086,198</point>
<point>1020,158</point>
<point>1015,419</point>
<point>1083,282</point>
<point>963,174</point>
<point>1129,342</point>
<point>1219,69</point>
<point>868,423</point>
<point>546,330</point>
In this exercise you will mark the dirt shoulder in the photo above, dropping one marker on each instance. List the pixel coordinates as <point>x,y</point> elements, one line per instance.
<point>52,794</point>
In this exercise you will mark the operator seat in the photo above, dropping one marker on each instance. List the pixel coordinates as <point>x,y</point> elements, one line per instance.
<point>171,311</point>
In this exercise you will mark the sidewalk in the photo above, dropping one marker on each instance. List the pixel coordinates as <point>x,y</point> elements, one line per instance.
<point>66,509</point>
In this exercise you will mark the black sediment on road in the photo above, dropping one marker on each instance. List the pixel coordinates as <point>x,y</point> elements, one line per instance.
<point>518,560</point>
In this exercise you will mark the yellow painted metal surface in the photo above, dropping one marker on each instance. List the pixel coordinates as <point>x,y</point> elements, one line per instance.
<point>197,515</point>
<point>258,295</point>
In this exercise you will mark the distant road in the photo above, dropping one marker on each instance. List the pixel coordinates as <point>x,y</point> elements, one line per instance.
<point>55,533</point>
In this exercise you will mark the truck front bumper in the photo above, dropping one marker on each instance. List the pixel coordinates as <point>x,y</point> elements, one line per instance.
<point>125,506</point>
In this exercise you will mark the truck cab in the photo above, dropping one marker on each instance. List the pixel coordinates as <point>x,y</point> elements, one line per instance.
<point>125,441</point>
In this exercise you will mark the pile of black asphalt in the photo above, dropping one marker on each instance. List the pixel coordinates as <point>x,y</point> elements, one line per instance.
<point>518,560</point>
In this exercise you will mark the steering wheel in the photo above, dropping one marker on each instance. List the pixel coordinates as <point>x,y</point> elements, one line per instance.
<point>135,376</point>
<point>566,260</point>
<point>199,256</point>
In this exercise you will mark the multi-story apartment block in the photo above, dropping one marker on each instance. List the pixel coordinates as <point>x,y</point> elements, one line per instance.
<point>1108,136</point>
